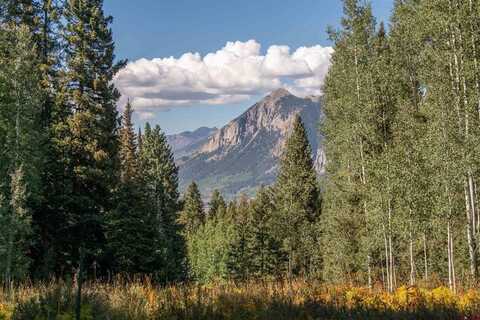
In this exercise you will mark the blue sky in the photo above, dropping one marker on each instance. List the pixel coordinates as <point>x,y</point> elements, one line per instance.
<point>154,29</point>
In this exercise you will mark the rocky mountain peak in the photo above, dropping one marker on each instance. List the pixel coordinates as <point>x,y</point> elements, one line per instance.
<point>243,154</point>
<point>278,94</point>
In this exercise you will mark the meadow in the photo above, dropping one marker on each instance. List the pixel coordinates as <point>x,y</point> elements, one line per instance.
<point>298,299</point>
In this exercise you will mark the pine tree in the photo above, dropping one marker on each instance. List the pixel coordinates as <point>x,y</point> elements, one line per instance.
<point>130,226</point>
<point>160,178</point>
<point>20,12</point>
<point>85,132</point>
<point>297,202</point>
<point>20,136</point>
<point>264,250</point>
<point>217,205</point>
<point>192,216</point>
<point>238,262</point>
<point>128,147</point>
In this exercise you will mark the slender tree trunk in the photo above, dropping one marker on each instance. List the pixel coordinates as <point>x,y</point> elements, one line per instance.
<point>473,34</point>
<point>390,247</point>
<point>459,90</point>
<point>425,256</point>
<point>8,269</point>
<point>450,277</point>
<point>472,248</point>
<point>412,261</point>
<point>387,261</point>
<point>78,298</point>
<point>454,281</point>
<point>369,272</point>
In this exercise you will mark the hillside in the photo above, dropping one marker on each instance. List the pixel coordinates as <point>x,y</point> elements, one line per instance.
<point>243,155</point>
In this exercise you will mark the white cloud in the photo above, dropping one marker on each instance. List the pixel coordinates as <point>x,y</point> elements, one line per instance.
<point>232,74</point>
<point>145,115</point>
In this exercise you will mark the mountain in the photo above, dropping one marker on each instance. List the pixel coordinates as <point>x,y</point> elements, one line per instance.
<point>244,154</point>
<point>184,143</point>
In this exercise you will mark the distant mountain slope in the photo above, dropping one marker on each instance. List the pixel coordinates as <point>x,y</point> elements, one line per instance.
<point>243,155</point>
<point>184,143</point>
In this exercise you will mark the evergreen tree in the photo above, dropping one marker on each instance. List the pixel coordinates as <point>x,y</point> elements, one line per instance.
<point>192,216</point>
<point>160,178</point>
<point>85,132</point>
<point>130,226</point>
<point>238,263</point>
<point>297,201</point>
<point>128,147</point>
<point>21,156</point>
<point>217,205</point>
<point>264,250</point>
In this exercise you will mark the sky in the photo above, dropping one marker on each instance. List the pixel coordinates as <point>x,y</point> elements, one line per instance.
<point>202,63</point>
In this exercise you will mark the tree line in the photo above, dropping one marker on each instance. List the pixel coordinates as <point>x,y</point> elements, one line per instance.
<point>81,192</point>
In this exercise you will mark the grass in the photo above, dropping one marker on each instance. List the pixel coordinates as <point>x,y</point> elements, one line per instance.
<point>277,300</point>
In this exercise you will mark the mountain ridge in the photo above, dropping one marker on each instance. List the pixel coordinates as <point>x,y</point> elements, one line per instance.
<point>243,155</point>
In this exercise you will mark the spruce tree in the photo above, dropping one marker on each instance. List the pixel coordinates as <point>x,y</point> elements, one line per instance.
<point>264,250</point>
<point>192,215</point>
<point>238,263</point>
<point>128,147</point>
<point>159,175</point>
<point>297,200</point>
<point>130,225</point>
<point>85,133</point>
<point>20,136</point>
<point>217,205</point>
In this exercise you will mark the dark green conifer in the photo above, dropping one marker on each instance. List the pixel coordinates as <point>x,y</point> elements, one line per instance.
<point>87,128</point>
<point>217,205</point>
<point>297,196</point>
<point>192,216</point>
<point>159,175</point>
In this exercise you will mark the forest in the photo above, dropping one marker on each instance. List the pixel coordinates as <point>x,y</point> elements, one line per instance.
<point>93,225</point>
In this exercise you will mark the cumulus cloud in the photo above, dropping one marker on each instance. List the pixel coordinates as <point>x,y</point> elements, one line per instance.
<point>232,74</point>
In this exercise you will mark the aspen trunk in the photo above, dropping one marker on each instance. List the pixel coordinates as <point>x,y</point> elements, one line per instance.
<point>472,248</point>
<point>390,247</point>
<point>473,40</point>
<point>459,90</point>
<point>412,262</point>
<point>425,257</point>
<point>449,254</point>
<point>387,261</point>
<point>454,281</point>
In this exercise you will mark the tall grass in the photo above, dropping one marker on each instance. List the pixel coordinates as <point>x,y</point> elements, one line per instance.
<point>299,299</point>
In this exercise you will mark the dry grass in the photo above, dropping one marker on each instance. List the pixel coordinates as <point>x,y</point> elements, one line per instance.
<point>299,299</point>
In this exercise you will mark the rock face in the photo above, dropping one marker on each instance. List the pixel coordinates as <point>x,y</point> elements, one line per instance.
<point>184,143</point>
<point>244,154</point>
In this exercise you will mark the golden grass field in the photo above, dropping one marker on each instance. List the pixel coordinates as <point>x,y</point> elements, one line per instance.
<point>299,299</point>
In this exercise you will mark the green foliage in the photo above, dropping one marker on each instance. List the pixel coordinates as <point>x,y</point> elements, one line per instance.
<point>21,156</point>
<point>297,199</point>
<point>159,177</point>
<point>217,205</point>
<point>192,216</point>
<point>208,250</point>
